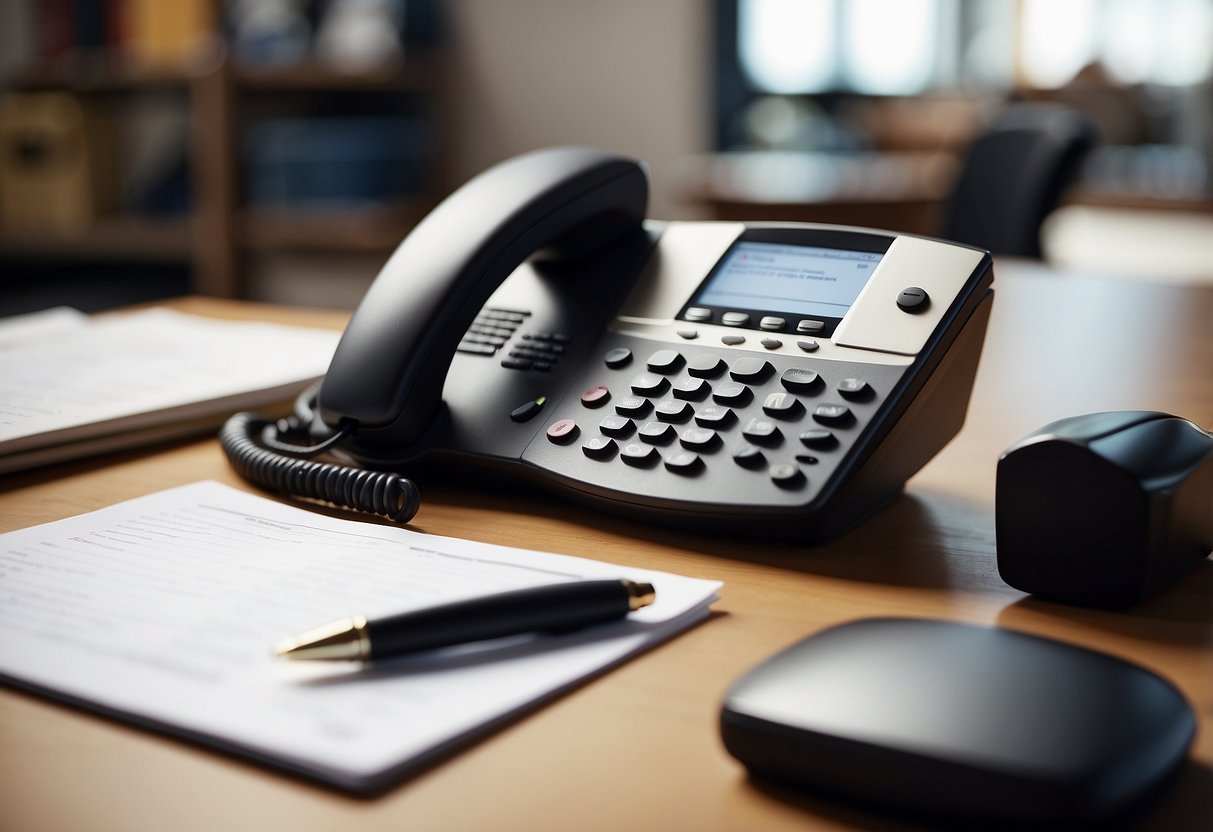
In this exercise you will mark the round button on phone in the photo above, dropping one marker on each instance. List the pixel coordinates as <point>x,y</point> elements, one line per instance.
<point>596,396</point>
<point>562,431</point>
<point>618,357</point>
<point>913,299</point>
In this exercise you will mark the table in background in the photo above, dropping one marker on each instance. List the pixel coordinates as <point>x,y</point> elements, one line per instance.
<point>902,191</point>
<point>639,747</point>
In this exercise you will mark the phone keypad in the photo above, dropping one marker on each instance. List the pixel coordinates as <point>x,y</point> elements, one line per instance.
<point>707,415</point>
<point>493,329</point>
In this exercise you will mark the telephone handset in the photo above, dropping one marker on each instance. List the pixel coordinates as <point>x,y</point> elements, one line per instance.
<point>389,368</point>
<point>780,380</point>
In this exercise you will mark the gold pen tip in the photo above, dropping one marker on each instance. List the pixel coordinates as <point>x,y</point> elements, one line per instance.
<point>345,639</point>
<point>640,594</point>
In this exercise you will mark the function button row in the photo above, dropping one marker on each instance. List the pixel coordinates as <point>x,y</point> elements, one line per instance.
<point>478,347</point>
<point>508,316</point>
<point>518,362</point>
<point>523,351</point>
<point>493,340</point>
<point>547,347</point>
<point>478,328</point>
<point>490,330</point>
<point>522,362</point>
<point>767,323</point>
<point>556,339</point>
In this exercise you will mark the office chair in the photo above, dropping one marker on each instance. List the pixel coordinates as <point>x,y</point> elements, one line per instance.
<point>1013,175</point>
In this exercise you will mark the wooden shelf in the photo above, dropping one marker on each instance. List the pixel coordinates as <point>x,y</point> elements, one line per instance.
<point>367,229</point>
<point>117,239</point>
<point>214,239</point>
<point>417,73</point>
<point>99,74</point>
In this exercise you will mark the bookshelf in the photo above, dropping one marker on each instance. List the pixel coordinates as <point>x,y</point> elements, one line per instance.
<point>222,98</point>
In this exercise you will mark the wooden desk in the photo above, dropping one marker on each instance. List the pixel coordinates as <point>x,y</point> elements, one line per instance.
<point>638,748</point>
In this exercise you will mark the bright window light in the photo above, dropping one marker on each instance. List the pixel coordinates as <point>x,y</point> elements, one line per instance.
<point>1186,37</point>
<point>788,46</point>
<point>890,45</point>
<point>1057,40</point>
<point>1129,47</point>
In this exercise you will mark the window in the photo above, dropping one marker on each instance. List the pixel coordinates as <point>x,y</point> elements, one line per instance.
<point>796,57</point>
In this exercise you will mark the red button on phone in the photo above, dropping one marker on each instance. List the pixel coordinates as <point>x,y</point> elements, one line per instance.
<point>562,431</point>
<point>595,396</point>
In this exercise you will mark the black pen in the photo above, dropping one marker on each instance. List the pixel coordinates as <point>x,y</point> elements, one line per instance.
<point>556,607</point>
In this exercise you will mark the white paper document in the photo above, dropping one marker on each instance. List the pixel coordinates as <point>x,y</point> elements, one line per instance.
<point>162,610</point>
<point>72,384</point>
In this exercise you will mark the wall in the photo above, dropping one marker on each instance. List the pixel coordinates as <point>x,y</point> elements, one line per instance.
<point>632,76</point>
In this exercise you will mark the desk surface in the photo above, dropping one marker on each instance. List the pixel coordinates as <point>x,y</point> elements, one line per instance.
<point>638,747</point>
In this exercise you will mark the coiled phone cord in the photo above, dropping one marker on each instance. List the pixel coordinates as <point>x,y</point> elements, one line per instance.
<point>285,468</point>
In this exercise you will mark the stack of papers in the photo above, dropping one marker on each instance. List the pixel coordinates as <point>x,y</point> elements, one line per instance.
<point>74,385</point>
<point>163,610</point>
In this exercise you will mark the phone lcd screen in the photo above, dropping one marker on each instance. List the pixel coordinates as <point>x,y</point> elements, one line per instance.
<point>792,280</point>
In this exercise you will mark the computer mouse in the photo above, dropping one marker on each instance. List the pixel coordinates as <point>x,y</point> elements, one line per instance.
<point>967,723</point>
<point>1104,509</point>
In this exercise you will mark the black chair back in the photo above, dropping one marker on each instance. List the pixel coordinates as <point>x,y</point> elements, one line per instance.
<point>1013,176</point>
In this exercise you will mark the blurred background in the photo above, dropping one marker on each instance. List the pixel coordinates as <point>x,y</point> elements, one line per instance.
<point>279,149</point>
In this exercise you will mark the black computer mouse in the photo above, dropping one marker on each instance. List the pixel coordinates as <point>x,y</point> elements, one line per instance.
<point>971,724</point>
<point>1105,509</point>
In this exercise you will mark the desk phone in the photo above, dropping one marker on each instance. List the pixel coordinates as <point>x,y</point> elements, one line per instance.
<point>768,379</point>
